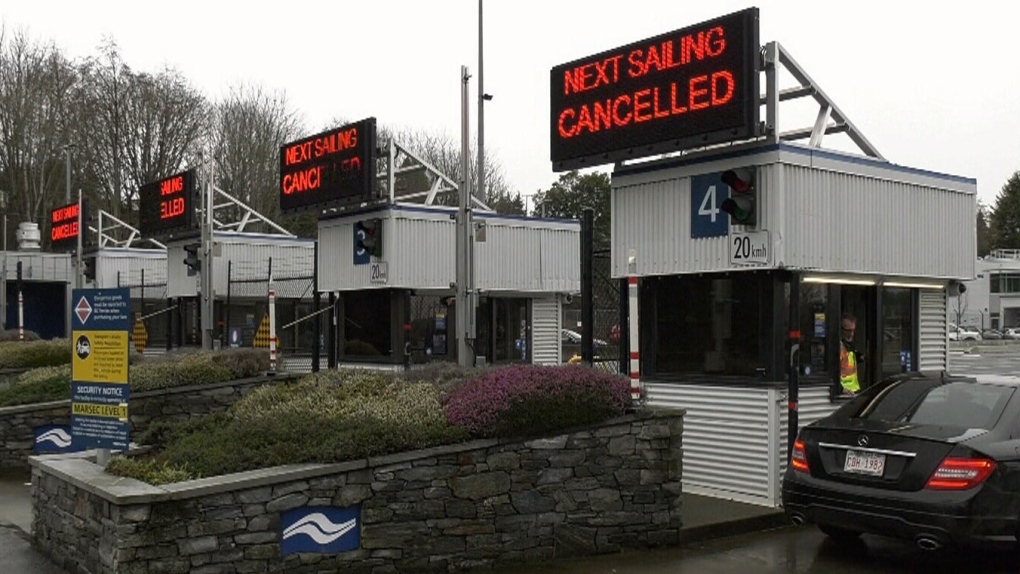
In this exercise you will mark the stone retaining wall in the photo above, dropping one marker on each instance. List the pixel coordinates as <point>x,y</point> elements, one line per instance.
<point>181,403</point>
<point>483,503</point>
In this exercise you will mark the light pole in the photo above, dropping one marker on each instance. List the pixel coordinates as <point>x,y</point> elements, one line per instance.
<point>482,98</point>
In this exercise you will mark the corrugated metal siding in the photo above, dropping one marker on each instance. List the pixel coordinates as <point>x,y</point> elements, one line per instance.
<point>545,331</point>
<point>37,266</point>
<point>934,331</point>
<point>654,219</point>
<point>814,404</point>
<point>419,246</point>
<point>125,267</point>
<point>293,268</point>
<point>824,211</point>
<point>864,224</point>
<point>179,283</point>
<point>726,438</point>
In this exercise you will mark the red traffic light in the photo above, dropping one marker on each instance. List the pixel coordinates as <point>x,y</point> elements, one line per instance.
<point>730,178</point>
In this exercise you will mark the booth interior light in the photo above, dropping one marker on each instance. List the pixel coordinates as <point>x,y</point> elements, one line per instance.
<point>840,280</point>
<point>913,285</point>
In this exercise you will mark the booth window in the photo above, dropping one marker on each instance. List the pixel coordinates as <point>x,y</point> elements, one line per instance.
<point>716,325</point>
<point>367,324</point>
<point>814,329</point>
<point>504,330</point>
<point>898,319</point>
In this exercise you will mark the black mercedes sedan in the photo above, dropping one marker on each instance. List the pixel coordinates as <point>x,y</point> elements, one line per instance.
<point>930,458</point>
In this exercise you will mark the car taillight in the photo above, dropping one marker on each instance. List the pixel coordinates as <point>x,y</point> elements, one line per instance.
<point>799,458</point>
<point>960,473</point>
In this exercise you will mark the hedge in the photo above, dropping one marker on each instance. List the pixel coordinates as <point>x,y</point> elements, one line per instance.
<point>334,416</point>
<point>34,354</point>
<point>175,369</point>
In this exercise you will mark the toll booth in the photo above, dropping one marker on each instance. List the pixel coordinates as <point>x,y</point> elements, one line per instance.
<point>144,272</point>
<point>395,308</point>
<point>743,242</point>
<point>715,307</point>
<point>46,280</point>
<point>245,266</point>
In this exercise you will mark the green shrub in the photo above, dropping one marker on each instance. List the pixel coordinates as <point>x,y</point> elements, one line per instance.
<point>40,385</point>
<point>147,470</point>
<point>324,417</point>
<point>13,335</point>
<point>446,377</point>
<point>32,354</point>
<point>181,373</point>
<point>243,363</point>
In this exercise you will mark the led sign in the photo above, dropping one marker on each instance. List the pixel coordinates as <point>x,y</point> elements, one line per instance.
<point>687,88</point>
<point>65,226</point>
<point>331,168</point>
<point>167,205</point>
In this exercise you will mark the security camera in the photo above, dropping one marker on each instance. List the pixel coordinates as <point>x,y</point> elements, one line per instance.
<point>568,298</point>
<point>955,289</point>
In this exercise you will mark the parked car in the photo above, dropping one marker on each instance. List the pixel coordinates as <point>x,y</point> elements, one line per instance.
<point>965,334</point>
<point>569,337</point>
<point>991,334</point>
<point>1012,333</point>
<point>930,458</point>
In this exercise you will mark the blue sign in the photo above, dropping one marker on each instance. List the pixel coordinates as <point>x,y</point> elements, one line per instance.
<point>361,255</point>
<point>707,194</point>
<point>101,309</point>
<point>906,365</point>
<point>99,415</point>
<point>100,325</point>
<point>320,530</point>
<point>53,439</point>
<point>235,337</point>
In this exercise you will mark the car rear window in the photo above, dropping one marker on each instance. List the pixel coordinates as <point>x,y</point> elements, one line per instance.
<point>959,404</point>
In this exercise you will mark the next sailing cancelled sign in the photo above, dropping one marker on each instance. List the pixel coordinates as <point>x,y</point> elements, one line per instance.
<point>687,88</point>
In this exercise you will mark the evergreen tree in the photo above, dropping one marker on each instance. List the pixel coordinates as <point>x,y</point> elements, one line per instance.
<point>1006,217</point>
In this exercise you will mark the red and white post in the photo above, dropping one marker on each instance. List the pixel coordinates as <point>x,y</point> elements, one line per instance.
<point>21,316</point>
<point>272,331</point>
<point>635,350</point>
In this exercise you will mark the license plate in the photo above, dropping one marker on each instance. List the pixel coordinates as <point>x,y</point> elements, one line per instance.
<point>864,463</point>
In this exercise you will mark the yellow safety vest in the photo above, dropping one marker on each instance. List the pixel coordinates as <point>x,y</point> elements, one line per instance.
<point>848,369</point>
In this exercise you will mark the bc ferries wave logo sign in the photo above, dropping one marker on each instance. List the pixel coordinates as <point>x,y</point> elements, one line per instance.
<point>53,438</point>
<point>320,530</point>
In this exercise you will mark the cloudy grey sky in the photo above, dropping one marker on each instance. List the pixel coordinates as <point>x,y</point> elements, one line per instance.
<point>931,88</point>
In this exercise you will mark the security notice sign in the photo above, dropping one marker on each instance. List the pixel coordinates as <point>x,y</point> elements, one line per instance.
<point>100,320</point>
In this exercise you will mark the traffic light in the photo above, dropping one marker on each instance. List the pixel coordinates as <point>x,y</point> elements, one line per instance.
<point>191,260</point>
<point>90,268</point>
<point>369,233</point>
<point>741,205</point>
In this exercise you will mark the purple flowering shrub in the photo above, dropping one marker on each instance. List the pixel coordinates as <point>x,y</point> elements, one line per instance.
<point>520,400</point>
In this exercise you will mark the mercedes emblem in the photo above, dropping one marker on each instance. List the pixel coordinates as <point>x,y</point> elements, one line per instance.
<point>862,440</point>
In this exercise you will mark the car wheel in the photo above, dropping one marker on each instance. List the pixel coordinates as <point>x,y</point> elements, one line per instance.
<point>839,534</point>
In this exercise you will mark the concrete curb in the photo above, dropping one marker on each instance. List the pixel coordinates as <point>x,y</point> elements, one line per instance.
<point>736,527</point>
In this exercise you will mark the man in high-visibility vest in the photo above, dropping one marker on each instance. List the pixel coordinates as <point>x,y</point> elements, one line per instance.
<point>848,357</point>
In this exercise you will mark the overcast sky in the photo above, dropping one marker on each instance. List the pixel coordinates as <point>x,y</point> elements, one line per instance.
<point>931,88</point>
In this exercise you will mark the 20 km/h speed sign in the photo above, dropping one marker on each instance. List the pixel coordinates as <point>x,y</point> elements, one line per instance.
<point>750,248</point>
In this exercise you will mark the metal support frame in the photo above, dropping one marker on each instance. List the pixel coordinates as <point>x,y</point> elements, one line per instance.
<point>108,224</point>
<point>774,56</point>
<point>401,160</point>
<point>247,214</point>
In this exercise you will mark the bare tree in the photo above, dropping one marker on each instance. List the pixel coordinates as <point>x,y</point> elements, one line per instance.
<point>251,124</point>
<point>133,128</point>
<point>34,79</point>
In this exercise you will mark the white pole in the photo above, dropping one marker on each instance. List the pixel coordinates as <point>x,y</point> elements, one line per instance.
<point>272,330</point>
